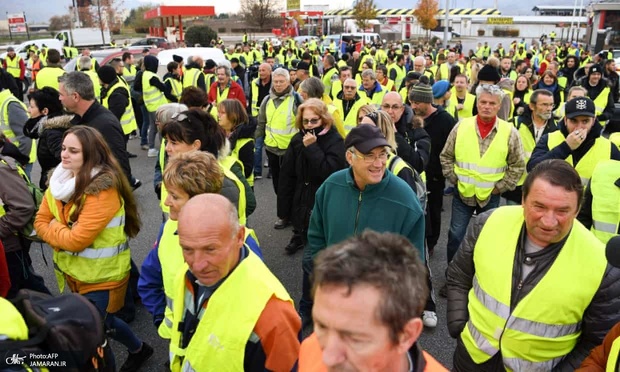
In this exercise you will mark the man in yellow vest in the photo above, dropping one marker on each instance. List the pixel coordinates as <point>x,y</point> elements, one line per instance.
<point>330,71</point>
<point>578,141</point>
<point>371,88</point>
<point>462,99</point>
<point>599,92</point>
<point>348,103</point>
<point>85,64</point>
<point>345,72</point>
<point>482,157</point>
<point>381,269</point>
<point>16,67</point>
<point>48,76</point>
<point>115,96</point>
<point>529,303</point>
<point>229,310</point>
<point>532,125</point>
<point>259,89</point>
<point>276,123</point>
<point>601,206</point>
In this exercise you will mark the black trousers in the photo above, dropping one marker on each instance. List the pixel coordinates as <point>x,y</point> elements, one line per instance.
<point>22,274</point>
<point>435,187</point>
<point>274,164</point>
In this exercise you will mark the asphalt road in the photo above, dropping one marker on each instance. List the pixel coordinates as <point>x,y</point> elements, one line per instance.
<point>286,268</point>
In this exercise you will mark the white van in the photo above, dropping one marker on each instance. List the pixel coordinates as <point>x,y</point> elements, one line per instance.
<point>22,49</point>
<point>367,38</point>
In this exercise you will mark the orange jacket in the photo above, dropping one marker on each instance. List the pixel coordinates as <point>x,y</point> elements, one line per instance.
<point>310,356</point>
<point>597,360</point>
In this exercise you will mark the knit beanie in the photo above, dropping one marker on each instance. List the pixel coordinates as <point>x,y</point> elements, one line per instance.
<point>440,88</point>
<point>209,64</point>
<point>107,74</point>
<point>421,93</point>
<point>489,73</point>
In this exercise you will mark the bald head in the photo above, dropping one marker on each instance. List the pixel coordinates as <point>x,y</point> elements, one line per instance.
<point>210,236</point>
<point>264,71</point>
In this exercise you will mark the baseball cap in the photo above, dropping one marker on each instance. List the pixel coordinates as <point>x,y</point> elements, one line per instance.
<point>580,106</point>
<point>303,65</point>
<point>364,138</point>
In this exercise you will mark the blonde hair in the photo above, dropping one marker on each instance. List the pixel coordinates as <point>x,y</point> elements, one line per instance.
<point>386,125</point>
<point>318,107</point>
<point>195,172</point>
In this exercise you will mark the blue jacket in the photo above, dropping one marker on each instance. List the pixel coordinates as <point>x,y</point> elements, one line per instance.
<point>151,284</point>
<point>341,210</point>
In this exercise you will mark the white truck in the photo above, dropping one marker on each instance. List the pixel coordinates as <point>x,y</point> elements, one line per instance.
<point>22,49</point>
<point>84,37</point>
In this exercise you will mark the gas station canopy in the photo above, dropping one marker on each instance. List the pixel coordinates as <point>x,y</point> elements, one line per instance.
<point>168,13</point>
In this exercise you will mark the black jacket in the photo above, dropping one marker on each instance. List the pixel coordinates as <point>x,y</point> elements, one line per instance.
<point>602,313</point>
<point>107,124</point>
<point>414,144</point>
<point>246,153</point>
<point>593,93</point>
<point>302,172</point>
<point>438,126</point>
<point>541,151</point>
<point>50,137</point>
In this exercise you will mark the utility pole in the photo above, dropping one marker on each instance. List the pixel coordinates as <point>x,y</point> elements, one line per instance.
<point>100,21</point>
<point>445,27</point>
<point>27,27</point>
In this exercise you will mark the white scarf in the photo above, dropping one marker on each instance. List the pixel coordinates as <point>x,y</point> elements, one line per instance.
<point>62,183</point>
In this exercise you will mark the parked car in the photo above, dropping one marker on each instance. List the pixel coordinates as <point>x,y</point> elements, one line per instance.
<point>158,42</point>
<point>105,56</point>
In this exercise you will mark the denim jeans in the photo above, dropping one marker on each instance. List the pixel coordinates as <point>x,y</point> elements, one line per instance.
<point>258,156</point>
<point>120,330</point>
<point>144,130</point>
<point>461,214</point>
<point>152,129</point>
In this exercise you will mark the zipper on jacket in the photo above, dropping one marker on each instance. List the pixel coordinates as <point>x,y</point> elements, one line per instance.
<point>357,215</point>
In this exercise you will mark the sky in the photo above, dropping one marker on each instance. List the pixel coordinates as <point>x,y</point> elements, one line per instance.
<point>38,11</point>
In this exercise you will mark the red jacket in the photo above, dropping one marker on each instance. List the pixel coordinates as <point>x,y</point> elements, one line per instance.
<point>5,279</point>
<point>597,360</point>
<point>234,91</point>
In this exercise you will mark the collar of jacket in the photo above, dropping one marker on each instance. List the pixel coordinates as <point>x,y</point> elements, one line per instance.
<point>90,113</point>
<point>375,89</point>
<point>369,190</point>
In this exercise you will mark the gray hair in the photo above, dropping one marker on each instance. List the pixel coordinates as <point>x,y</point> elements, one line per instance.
<point>85,62</point>
<point>350,80</point>
<point>164,112</point>
<point>80,83</point>
<point>331,60</point>
<point>369,73</point>
<point>281,72</point>
<point>233,219</point>
<point>493,90</point>
<point>313,86</point>
<point>226,69</point>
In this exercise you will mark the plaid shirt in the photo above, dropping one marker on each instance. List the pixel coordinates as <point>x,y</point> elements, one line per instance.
<point>515,161</point>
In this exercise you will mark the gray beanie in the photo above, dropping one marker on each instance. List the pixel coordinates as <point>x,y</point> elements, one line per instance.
<point>421,93</point>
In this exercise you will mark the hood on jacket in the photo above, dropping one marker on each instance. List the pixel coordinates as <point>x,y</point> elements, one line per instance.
<point>58,122</point>
<point>151,63</point>
<point>225,150</point>
<point>405,120</point>
<point>506,84</point>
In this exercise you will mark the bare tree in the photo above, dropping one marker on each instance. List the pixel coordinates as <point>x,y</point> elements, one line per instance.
<point>60,22</point>
<point>259,13</point>
<point>363,11</point>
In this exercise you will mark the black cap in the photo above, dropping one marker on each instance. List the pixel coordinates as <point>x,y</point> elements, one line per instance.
<point>306,55</point>
<point>364,138</point>
<point>177,59</point>
<point>595,69</point>
<point>580,106</point>
<point>209,64</point>
<point>107,74</point>
<point>303,66</point>
<point>234,60</point>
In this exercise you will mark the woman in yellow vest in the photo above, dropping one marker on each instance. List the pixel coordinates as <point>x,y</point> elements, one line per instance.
<point>549,81</point>
<point>521,95</point>
<point>315,152</point>
<point>88,216</point>
<point>234,120</point>
<point>195,129</point>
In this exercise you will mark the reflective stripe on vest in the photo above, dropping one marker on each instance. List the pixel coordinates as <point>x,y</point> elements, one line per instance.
<point>350,121</point>
<point>280,127</point>
<point>12,66</point>
<point>153,97</point>
<point>601,101</point>
<point>96,83</point>
<point>190,78</point>
<point>177,87</point>
<point>128,120</point>
<point>241,142</point>
<point>543,327</point>
<point>171,259</point>
<point>6,98</point>
<point>612,358</point>
<point>477,175</point>
<point>242,197</point>
<point>327,79</point>
<point>226,324</point>
<point>107,258</point>
<point>601,150</point>
<point>605,200</point>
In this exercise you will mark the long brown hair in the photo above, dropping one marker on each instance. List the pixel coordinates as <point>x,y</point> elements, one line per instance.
<point>97,154</point>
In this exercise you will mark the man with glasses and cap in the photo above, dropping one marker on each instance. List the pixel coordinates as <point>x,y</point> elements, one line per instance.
<point>384,203</point>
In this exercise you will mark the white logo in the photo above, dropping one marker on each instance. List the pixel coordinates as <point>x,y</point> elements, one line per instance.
<point>54,309</point>
<point>581,104</point>
<point>15,359</point>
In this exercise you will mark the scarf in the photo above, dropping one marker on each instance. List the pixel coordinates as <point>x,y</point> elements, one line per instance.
<point>484,126</point>
<point>551,88</point>
<point>62,183</point>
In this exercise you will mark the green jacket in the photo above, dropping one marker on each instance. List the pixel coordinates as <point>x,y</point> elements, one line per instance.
<point>341,210</point>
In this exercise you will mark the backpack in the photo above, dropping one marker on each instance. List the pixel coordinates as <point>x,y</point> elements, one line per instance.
<point>66,329</point>
<point>420,185</point>
<point>37,197</point>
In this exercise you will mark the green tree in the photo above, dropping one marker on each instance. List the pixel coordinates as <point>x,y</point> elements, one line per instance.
<point>363,11</point>
<point>200,35</point>
<point>259,13</point>
<point>425,13</point>
<point>136,19</point>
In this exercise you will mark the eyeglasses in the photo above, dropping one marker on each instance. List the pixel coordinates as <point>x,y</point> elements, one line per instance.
<point>371,158</point>
<point>311,121</point>
<point>387,107</point>
<point>348,87</point>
